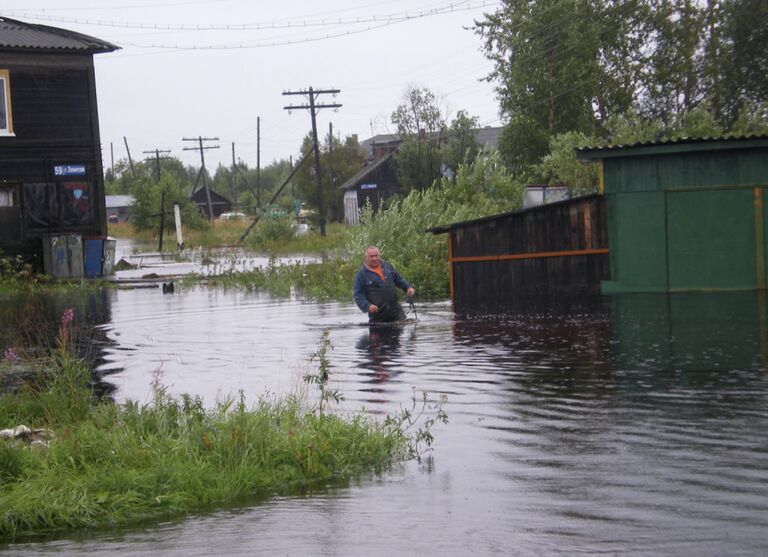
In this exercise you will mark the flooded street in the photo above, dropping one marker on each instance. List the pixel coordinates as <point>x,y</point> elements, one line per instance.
<point>631,425</point>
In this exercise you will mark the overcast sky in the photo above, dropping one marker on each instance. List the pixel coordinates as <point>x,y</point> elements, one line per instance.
<point>154,93</point>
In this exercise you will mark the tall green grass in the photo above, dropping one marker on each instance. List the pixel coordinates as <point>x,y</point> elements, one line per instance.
<point>119,463</point>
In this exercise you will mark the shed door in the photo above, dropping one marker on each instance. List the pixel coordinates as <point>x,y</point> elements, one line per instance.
<point>711,239</point>
<point>351,211</point>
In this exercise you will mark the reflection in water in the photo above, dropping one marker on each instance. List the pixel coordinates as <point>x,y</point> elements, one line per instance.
<point>30,324</point>
<point>619,425</point>
<point>378,347</point>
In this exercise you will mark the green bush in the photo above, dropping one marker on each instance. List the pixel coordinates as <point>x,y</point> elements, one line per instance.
<point>482,188</point>
<point>274,229</point>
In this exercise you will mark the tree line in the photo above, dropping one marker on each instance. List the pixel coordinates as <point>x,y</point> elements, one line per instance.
<point>570,72</point>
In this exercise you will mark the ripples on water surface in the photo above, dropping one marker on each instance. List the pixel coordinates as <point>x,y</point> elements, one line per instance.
<point>632,425</point>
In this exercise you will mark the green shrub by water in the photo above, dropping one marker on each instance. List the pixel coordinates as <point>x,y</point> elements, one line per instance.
<point>118,463</point>
<point>480,189</point>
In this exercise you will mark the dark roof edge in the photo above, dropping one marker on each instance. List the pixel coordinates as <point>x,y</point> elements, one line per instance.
<point>448,227</point>
<point>364,171</point>
<point>92,44</point>
<point>683,145</point>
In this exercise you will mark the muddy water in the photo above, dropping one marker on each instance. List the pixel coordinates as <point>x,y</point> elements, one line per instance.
<point>632,425</point>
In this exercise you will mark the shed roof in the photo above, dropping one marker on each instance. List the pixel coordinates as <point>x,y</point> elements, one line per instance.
<point>365,171</point>
<point>448,227</point>
<point>487,138</point>
<point>681,145</point>
<point>17,35</point>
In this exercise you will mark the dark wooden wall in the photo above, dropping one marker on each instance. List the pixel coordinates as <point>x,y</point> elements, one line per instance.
<point>387,185</point>
<point>560,249</point>
<point>219,203</point>
<point>55,122</point>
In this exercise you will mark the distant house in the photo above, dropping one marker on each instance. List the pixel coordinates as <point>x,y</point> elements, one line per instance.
<point>51,178</point>
<point>219,203</point>
<point>379,145</point>
<point>378,179</point>
<point>119,207</point>
<point>371,184</point>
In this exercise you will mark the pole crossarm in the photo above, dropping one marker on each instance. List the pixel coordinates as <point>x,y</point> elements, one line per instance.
<point>312,95</point>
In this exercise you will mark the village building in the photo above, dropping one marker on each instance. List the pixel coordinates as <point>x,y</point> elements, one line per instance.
<point>219,203</point>
<point>119,208</point>
<point>378,180</point>
<point>51,181</point>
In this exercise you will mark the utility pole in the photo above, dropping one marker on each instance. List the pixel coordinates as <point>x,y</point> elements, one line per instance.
<point>258,162</point>
<point>330,155</point>
<point>234,173</point>
<point>162,192</point>
<point>312,95</point>
<point>130,160</point>
<point>112,158</point>
<point>202,149</point>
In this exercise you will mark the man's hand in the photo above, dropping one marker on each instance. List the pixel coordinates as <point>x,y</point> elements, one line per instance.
<point>411,292</point>
<point>373,308</point>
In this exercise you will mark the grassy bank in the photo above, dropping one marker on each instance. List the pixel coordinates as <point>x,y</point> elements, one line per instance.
<point>110,464</point>
<point>268,236</point>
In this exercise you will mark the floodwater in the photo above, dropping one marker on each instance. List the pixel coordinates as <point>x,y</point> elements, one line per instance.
<point>632,425</point>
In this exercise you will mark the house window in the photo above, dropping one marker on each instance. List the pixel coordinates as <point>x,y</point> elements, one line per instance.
<point>6,196</point>
<point>6,121</point>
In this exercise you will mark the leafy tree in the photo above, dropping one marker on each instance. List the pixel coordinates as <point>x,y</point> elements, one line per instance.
<point>419,123</point>
<point>461,144</point>
<point>429,147</point>
<point>560,65</point>
<point>149,199</point>
<point>669,66</point>
<point>339,161</point>
<point>125,181</point>
<point>560,165</point>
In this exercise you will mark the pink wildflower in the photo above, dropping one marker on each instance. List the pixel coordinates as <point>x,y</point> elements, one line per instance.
<point>67,317</point>
<point>10,355</point>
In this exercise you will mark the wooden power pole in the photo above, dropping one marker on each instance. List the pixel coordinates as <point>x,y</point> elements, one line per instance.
<point>157,152</point>
<point>313,107</point>
<point>202,148</point>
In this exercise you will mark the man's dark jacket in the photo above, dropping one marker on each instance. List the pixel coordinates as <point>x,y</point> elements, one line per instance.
<point>370,289</point>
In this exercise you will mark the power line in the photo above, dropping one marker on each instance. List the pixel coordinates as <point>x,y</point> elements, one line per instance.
<point>262,26</point>
<point>374,23</point>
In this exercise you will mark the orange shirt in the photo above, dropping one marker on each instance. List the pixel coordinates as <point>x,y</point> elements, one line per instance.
<point>379,271</point>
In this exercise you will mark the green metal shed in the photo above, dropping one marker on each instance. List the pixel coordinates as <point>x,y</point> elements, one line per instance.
<point>685,215</point>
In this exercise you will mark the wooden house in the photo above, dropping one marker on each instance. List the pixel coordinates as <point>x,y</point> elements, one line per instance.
<point>51,180</point>
<point>370,185</point>
<point>219,203</point>
<point>379,180</point>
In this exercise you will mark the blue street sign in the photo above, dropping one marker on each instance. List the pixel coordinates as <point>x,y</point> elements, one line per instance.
<point>69,170</point>
<point>367,186</point>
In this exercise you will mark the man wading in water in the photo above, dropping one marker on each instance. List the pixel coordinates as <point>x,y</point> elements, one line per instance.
<point>375,289</point>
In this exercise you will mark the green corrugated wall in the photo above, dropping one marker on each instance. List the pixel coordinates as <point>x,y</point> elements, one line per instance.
<point>687,220</point>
